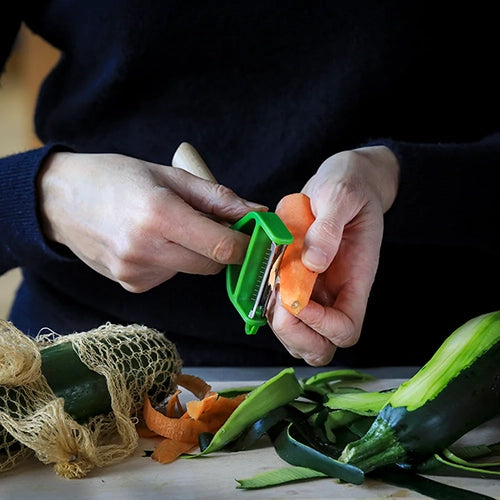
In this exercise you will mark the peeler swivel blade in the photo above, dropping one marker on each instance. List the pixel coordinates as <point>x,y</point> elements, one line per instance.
<point>247,284</point>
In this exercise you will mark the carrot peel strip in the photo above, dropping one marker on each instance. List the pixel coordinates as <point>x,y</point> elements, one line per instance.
<point>182,431</point>
<point>196,409</point>
<point>174,407</point>
<point>195,385</point>
<point>143,431</point>
<point>169,450</point>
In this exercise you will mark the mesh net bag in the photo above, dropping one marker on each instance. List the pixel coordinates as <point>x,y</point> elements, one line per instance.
<point>135,361</point>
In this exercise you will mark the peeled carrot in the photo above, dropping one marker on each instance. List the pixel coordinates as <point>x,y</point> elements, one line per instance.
<point>296,281</point>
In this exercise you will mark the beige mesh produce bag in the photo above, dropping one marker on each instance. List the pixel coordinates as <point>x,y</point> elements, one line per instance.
<point>33,419</point>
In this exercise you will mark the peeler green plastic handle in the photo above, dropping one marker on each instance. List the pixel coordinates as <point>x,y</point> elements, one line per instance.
<point>247,284</point>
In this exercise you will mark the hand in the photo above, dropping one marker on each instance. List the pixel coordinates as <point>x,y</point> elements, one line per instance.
<point>349,195</point>
<point>139,223</point>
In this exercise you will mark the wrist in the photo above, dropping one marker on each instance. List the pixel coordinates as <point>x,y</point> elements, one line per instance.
<point>386,173</point>
<point>49,185</point>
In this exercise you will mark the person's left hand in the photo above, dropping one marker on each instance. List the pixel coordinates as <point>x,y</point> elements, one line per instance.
<point>349,195</point>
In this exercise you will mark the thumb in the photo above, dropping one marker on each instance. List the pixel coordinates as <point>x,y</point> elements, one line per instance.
<point>323,237</point>
<point>321,244</point>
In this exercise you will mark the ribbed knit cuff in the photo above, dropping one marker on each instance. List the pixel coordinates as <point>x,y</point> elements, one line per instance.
<point>21,239</point>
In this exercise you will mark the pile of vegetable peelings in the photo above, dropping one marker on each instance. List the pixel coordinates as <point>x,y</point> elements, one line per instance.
<point>326,426</point>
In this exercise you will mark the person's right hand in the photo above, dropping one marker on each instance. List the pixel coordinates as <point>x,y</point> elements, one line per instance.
<point>349,194</point>
<point>139,223</point>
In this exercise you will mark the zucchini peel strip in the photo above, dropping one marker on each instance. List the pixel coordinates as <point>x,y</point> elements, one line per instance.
<point>316,422</point>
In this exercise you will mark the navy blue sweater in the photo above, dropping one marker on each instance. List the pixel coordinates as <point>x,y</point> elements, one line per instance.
<point>266,91</point>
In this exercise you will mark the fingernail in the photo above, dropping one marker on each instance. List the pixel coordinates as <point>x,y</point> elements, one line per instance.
<point>315,259</point>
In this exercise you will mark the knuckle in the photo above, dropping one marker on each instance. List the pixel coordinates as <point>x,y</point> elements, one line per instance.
<point>218,195</point>
<point>224,200</point>
<point>347,336</point>
<point>279,330</point>
<point>327,229</point>
<point>123,267</point>
<point>224,193</point>
<point>124,251</point>
<point>344,332</point>
<point>122,273</point>
<point>211,268</point>
<point>320,359</point>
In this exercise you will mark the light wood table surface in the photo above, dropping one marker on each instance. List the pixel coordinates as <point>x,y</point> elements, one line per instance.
<point>214,476</point>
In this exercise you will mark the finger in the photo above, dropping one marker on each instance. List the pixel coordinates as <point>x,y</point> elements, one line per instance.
<point>209,197</point>
<point>176,257</point>
<point>137,278</point>
<point>202,235</point>
<point>299,339</point>
<point>340,324</point>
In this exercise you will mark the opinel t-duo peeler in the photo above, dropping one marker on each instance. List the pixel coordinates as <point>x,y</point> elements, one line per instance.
<point>248,285</point>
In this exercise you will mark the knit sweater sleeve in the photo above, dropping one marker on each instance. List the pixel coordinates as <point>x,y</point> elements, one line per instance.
<point>449,194</point>
<point>21,239</point>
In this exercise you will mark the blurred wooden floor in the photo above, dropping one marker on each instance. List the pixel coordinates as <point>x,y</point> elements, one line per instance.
<point>28,64</point>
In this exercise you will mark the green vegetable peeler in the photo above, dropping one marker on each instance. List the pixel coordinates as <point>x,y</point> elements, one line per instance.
<point>247,284</point>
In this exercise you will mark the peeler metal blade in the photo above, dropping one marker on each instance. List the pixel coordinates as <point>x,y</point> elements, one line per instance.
<point>248,284</point>
<point>263,292</point>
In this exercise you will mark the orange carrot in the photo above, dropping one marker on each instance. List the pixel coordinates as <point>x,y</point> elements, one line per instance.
<point>296,282</point>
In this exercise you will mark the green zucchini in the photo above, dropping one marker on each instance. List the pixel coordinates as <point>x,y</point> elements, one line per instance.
<point>85,392</point>
<point>454,392</point>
